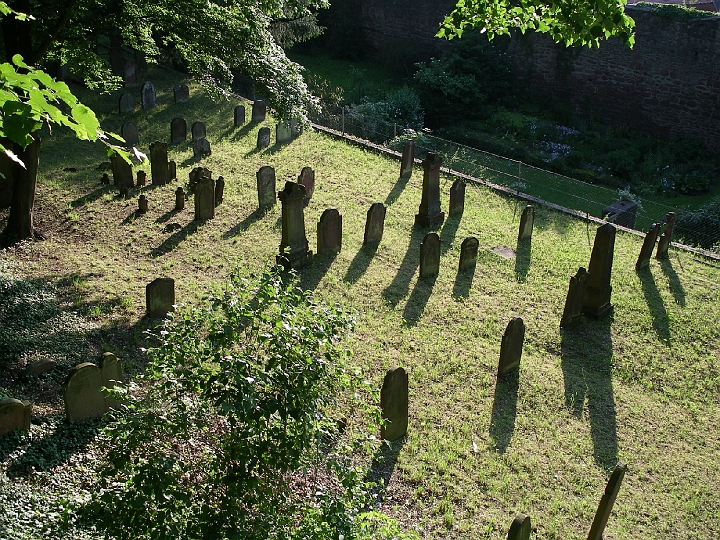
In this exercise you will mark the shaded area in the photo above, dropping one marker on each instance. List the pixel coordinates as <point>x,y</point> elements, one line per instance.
<point>448,233</point>
<point>504,411</point>
<point>172,241</point>
<point>463,283</point>
<point>360,263</point>
<point>131,217</point>
<point>397,190</point>
<point>522,259</point>
<point>419,297</point>
<point>400,284</point>
<point>245,223</point>
<point>91,197</point>
<point>586,361</point>
<point>167,215</point>
<point>660,318</point>
<point>676,287</point>
<point>311,274</point>
<point>383,464</point>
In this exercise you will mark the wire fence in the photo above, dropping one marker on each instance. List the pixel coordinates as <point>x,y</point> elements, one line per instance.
<point>586,198</point>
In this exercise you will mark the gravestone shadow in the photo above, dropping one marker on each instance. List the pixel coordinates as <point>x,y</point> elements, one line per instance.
<point>676,287</point>
<point>400,284</point>
<point>397,190</point>
<point>244,225</point>
<point>172,241</point>
<point>660,318</point>
<point>448,233</point>
<point>522,259</point>
<point>415,306</point>
<point>463,284</point>
<point>167,215</point>
<point>91,197</point>
<point>504,410</point>
<point>383,464</point>
<point>311,274</point>
<point>360,263</point>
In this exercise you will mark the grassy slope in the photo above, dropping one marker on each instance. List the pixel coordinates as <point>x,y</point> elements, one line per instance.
<point>641,386</point>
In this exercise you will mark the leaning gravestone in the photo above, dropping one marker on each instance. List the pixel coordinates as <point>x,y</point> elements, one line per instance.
<point>408,160</point>
<point>239,115</point>
<point>666,237</point>
<point>82,395</point>
<point>182,93</point>
<point>179,198</point>
<point>468,253</point>
<point>266,186</point>
<point>511,346</point>
<point>129,132</point>
<point>520,528</point>
<point>394,401</point>
<point>263,138</point>
<point>14,414</point>
<point>201,148</point>
<point>527,220</point>
<point>198,130</point>
<point>205,197</point>
<point>127,103</point>
<point>283,133</point>
<point>374,224</point>
<point>219,190</point>
<point>607,501</point>
<point>122,172</point>
<point>293,240</point>
<point>178,130</point>
<point>598,288</point>
<point>307,179</point>
<point>160,297</point>
<point>575,298</point>
<point>142,204</point>
<point>457,198</point>
<point>141,178</point>
<point>159,167</point>
<point>329,232</point>
<point>430,255</point>
<point>648,246</point>
<point>148,96</point>
<point>429,213</point>
<point>258,110</point>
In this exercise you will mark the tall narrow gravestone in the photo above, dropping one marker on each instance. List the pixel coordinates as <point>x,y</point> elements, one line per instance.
<point>527,220</point>
<point>394,401</point>
<point>575,298</point>
<point>329,232</point>
<point>122,172</point>
<point>520,528</point>
<point>598,288</point>
<point>160,297</point>
<point>457,198</point>
<point>127,103</point>
<point>159,167</point>
<point>239,115</point>
<point>374,224</point>
<point>178,130</point>
<point>293,240</point>
<point>263,138</point>
<point>408,159</point>
<point>205,197</point>
<point>82,393</point>
<point>307,179</point>
<point>179,199</point>
<point>283,133</point>
<point>14,414</point>
<point>430,255</point>
<point>258,110</point>
<point>148,95</point>
<point>141,179</point>
<point>129,132</point>
<point>266,186</point>
<point>429,213</point>
<point>606,503</point>
<point>666,237</point>
<point>219,190</point>
<point>172,170</point>
<point>511,346</point>
<point>143,204</point>
<point>198,130</point>
<point>468,253</point>
<point>181,93</point>
<point>646,250</point>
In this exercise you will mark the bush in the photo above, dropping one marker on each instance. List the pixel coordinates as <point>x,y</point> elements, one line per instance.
<point>379,121</point>
<point>700,227</point>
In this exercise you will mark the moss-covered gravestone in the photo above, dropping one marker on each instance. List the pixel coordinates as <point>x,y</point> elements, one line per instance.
<point>263,138</point>
<point>394,402</point>
<point>666,237</point>
<point>14,415</point>
<point>82,394</point>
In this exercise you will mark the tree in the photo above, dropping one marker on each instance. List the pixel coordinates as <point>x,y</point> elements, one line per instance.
<point>582,22</point>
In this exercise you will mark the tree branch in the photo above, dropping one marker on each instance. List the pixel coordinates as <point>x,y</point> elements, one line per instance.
<point>52,36</point>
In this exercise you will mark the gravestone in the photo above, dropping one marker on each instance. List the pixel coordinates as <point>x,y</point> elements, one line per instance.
<point>129,73</point>
<point>179,199</point>
<point>575,298</point>
<point>198,130</point>
<point>205,197</point>
<point>38,367</point>
<point>178,130</point>
<point>293,227</point>
<point>181,93</point>
<point>111,371</point>
<point>127,103</point>
<point>263,138</point>
<point>621,213</point>
<point>122,172</point>
<point>283,133</point>
<point>646,250</point>
<point>607,501</point>
<point>258,110</point>
<point>374,224</point>
<point>527,220</point>
<point>429,213</point>
<point>195,175</point>
<point>511,346</point>
<point>142,204</point>
<point>219,190</point>
<point>81,393</point>
<point>408,160</point>
<point>160,297</point>
<point>598,288</point>
<point>148,96</point>
<point>141,178</point>
<point>105,178</point>
<point>296,128</point>
<point>468,253</point>
<point>394,401</point>
<point>307,179</point>
<point>239,115</point>
<point>329,232</point>
<point>520,528</point>
<point>14,414</point>
<point>129,132</point>
<point>430,255</point>
<point>201,148</point>
<point>666,237</point>
<point>172,170</point>
<point>159,167</point>
<point>266,186</point>
<point>457,198</point>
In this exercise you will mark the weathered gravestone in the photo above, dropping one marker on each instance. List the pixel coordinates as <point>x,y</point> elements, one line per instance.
<point>575,298</point>
<point>129,73</point>
<point>179,198</point>
<point>296,128</point>
<point>520,528</point>
<point>178,130</point>
<point>307,179</point>
<point>621,213</point>
<point>127,103</point>
<point>408,160</point>
<point>129,132</point>
<point>181,93</point>
<point>374,224</point>
<point>429,213</point>
<point>148,95</point>
<point>293,240</point>
<point>607,501</point>
<point>159,166</point>
<point>457,198</point>
<point>283,133</point>
<point>142,204</point>
<point>198,130</point>
<point>468,253</point>
<point>263,138</point>
<point>219,190</point>
<point>201,148</point>
<point>82,393</point>
<point>14,414</point>
<point>646,250</point>
<point>160,297</point>
<point>205,197</point>
<point>527,220</point>
<point>111,372</point>
<point>122,172</point>
<point>666,237</point>
<point>430,255</point>
<point>172,169</point>
<point>141,178</point>
<point>38,367</point>
<point>329,232</point>
<point>266,186</point>
<point>239,115</point>
<point>598,288</point>
<point>258,110</point>
<point>394,401</point>
<point>511,346</point>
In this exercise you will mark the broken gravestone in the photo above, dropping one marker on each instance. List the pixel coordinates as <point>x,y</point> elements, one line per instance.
<point>219,190</point>
<point>142,204</point>
<point>511,346</point>
<point>179,198</point>
<point>160,297</point>
<point>394,401</point>
<point>329,232</point>
<point>602,515</point>
<point>307,179</point>
<point>201,148</point>
<point>430,255</point>
<point>122,172</point>
<point>374,224</point>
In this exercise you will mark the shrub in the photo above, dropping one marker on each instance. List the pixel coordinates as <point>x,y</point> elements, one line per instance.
<point>700,227</point>
<point>378,121</point>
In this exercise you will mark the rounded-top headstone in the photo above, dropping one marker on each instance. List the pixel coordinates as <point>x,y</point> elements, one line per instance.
<point>81,392</point>
<point>520,528</point>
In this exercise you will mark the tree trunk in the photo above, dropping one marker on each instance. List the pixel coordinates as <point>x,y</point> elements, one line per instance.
<point>20,220</point>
